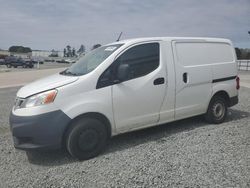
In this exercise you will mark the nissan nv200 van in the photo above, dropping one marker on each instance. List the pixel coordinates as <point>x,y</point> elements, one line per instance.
<point>126,86</point>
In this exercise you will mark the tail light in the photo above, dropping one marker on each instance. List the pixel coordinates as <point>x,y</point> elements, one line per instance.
<point>237,82</point>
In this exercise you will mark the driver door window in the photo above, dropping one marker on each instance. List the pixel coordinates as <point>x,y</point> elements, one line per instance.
<point>142,59</point>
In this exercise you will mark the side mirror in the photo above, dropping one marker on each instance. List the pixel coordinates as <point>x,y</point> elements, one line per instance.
<point>122,73</point>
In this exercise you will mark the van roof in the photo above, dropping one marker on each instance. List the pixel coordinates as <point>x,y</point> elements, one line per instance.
<point>205,39</point>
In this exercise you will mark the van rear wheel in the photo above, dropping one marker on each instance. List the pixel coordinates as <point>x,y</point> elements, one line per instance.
<point>217,110</point>
<point>86,138</point>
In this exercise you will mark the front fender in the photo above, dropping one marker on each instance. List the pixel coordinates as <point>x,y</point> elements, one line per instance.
<point>97,101</point>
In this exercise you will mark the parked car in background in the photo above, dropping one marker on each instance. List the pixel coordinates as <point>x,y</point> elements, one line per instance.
<point>15,62</point>
<point>49,60</point>
<point>33,60</point>
<point>70,60</point>
<point>28,64</point>
<point>36,60</point>
<point>62,61</point>
<point>2,62</point>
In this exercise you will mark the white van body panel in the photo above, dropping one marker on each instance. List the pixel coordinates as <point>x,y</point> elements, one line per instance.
<point>167,111</point>
<point>192,95</point>
<point>137,103</point>
<point>93,101</point>
<point>203,62</point>
<point>82,97</point>
<point>228,86</point>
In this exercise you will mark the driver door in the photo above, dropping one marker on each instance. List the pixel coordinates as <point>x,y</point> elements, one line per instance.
<point>138,99</point>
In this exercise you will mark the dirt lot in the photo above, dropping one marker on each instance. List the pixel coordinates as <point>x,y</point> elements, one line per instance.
<point>187,153</point>
<point>22,77</point>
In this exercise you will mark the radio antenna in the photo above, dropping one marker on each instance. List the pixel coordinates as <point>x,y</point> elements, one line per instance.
<point>119,37</point>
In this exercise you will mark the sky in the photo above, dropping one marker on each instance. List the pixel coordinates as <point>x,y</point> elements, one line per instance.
<point>53,24</point>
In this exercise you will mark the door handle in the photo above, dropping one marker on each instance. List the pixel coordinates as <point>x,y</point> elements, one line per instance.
<point>159,81</point>
<point>185,77</point>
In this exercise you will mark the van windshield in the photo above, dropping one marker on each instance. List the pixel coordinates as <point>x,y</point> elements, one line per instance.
<point>91,60</point>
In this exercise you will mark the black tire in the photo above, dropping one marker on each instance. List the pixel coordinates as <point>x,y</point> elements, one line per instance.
<point>217,110</point>
<point>24,66</point>
<point>15,66</point>
<point>86,138</point>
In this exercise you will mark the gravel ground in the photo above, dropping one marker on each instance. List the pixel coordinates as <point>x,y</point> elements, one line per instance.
<point>187,153</point>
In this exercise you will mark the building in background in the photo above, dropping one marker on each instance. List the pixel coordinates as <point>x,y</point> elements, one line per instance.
<point>22,55</point>
<point>35,54</point>
<point>4,53</point>
<point>46,53</point>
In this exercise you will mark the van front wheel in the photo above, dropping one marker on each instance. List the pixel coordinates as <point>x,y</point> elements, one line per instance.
<point>217,110</point>
<point>86,138</point>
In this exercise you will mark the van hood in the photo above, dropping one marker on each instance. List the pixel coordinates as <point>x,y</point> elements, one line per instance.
<point>44,84</point>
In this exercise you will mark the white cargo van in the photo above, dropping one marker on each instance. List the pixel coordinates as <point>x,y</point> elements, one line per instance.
<point>125,86</point>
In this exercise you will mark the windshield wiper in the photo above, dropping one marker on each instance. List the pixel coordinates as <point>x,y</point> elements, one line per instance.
<point>67,72</point>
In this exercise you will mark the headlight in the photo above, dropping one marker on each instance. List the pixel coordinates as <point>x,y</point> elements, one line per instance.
<point>39,99</point>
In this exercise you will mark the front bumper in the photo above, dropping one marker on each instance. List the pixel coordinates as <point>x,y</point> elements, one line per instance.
<point>44,131</point>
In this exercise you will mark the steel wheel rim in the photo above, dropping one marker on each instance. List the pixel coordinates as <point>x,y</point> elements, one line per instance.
<point>219,110</point>
<point>88,140</point>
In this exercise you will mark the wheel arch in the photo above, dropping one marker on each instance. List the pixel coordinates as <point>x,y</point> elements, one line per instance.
<point>209,115</point>
<point>95,115</point>
<point>223,94</point>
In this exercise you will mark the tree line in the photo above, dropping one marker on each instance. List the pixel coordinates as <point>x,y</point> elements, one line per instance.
<point>68,51</point>
<point>242,53</point>
<point>20,49</point>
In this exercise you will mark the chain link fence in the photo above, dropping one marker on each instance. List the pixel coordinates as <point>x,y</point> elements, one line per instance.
<point>244,65</point>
